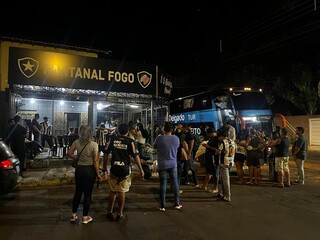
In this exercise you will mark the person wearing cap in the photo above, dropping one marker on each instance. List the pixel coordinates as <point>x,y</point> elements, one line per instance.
<point>46,132</point>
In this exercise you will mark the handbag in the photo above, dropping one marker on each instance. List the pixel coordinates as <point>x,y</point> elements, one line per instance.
<point>75,161</point>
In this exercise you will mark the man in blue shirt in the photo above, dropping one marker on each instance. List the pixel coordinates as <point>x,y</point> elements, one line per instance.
<point>167,146</point>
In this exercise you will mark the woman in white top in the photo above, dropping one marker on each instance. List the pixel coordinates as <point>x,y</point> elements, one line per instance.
<point>86,172</point>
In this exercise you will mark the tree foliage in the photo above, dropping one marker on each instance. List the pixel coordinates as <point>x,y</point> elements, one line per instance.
<point>299,88</point>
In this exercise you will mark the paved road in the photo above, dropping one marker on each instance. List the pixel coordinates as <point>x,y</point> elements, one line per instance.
<point>256,212</point>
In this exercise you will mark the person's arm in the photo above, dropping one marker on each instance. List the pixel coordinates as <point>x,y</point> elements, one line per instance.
<point>137,160</point>
<point>274,143</point>
<point>71,150</point>
<point>95,159</point>
<point>232,150</point>
<point>206,145</point>
<point>35,128</point>
<point>296,149</point>
<point>190,147</point>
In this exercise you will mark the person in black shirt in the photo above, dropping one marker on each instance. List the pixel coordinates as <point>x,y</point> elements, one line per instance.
<point>18,146</point>
<point>36,128</point>
<point>122,148</point>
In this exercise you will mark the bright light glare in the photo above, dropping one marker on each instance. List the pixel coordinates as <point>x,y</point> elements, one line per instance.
<point>253,119</point>
<point>102,106</point>
<point>134,106</point>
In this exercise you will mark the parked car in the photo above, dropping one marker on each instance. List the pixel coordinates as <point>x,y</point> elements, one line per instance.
<point>9,169</point>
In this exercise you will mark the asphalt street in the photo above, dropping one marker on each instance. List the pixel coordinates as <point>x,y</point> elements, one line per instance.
<point>256,212</point>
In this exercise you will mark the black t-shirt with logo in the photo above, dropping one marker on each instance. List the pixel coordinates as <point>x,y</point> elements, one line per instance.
<point>121,149</point>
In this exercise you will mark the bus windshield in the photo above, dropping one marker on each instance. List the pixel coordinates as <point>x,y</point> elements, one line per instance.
<point>249,101</point>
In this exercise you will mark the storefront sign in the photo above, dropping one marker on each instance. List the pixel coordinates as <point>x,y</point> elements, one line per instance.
<point>34,67</point>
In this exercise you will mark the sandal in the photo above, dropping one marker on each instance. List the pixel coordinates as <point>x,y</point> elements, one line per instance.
<point>86,219</point>
<point>73,217</point>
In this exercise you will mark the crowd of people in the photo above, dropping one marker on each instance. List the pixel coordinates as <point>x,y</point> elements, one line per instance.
<point>175,149</point>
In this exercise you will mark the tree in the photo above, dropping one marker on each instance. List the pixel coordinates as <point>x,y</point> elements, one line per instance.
<point>299,89</point>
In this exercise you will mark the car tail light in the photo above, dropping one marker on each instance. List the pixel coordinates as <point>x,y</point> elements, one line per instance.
<point>6,164</point>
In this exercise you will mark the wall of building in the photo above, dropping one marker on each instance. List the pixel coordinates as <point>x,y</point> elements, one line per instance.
<point>297,121</point>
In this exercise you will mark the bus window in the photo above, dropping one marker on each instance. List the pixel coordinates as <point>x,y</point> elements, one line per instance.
<point>188,104</point>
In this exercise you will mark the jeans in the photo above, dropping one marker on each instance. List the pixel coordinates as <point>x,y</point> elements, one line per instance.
<point>173,174</point>
<point>300,168</point>
<point>190,165</point>
<point>225,179</point>
<point>180,166</point>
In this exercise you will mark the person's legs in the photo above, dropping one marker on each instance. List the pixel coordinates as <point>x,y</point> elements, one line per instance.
<point>194,172</point>
<point>49,141</point>
<point>87,190</point>
<point>43,140</point>
<point>186,167</point>
<point>206,181</point>
<point>286,171</point>
<point>300,168</point>
<point>175,185</point>
<point>163,187</point>
<point>78,192</point>
<point>279,162</point>
<point>250,175</point>
<point>112,200</point>
<point>21,154</point>
<point>225,182</point>
<point>256,167</point>
<point>180,165</point>
<point>216,178</point>
<point>121,202</point>
<point>239,167</point>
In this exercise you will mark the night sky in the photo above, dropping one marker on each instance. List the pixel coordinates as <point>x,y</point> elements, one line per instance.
<point>184,40</point>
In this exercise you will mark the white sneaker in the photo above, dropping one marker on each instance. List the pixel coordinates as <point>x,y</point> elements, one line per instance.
<point>178,207</point>
<point>162,209</point>
<point>227,198</point>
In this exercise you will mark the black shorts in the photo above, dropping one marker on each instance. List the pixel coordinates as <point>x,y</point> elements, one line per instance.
<point>239,157</point>
<point>253,159</point>
<point>211,168</point>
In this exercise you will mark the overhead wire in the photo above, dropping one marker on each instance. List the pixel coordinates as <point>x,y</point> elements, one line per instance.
<point>269,23</point>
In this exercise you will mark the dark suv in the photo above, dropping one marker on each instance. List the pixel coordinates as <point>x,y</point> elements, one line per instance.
<point>9,169</point>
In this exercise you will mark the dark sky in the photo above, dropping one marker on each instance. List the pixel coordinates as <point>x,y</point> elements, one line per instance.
<point>177,38</point>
